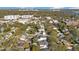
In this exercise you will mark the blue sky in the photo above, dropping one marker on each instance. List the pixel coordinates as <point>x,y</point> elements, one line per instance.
<point>39,3</point>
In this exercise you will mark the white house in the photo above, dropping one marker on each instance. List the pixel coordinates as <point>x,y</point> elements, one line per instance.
<point>55,28</point>
<point>50,22</point>
<point>48,17</point>
<point>55,21</point>
<point>23,37</point>
<point>42,38</point>
<point>43,46</point>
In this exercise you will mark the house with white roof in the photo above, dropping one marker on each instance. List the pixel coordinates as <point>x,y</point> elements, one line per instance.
<point>43,46</point>
<point>42,38</point>
<point>55,21</point>
<point>48,18</point>
<point>23,37</point>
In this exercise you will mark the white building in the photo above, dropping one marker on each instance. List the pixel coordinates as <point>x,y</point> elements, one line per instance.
<point>11,17</point>
<point>55,21</point>
<point>42,38</point>
<point>26,16</point>
<point>23,37</point>
<point>48,17</point>
<point>43,46</point>
<point>50,22</point>
<point>14,17</point>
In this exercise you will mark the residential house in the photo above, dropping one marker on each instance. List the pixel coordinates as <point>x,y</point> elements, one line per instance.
<point>48,18</point>
<point>43,44</point>
<point>55,21</point>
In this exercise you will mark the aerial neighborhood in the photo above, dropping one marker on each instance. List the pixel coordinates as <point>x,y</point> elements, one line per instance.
<point>42,30</point>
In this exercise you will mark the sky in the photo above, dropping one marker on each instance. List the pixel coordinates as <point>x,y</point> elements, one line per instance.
<point>39,3</point>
